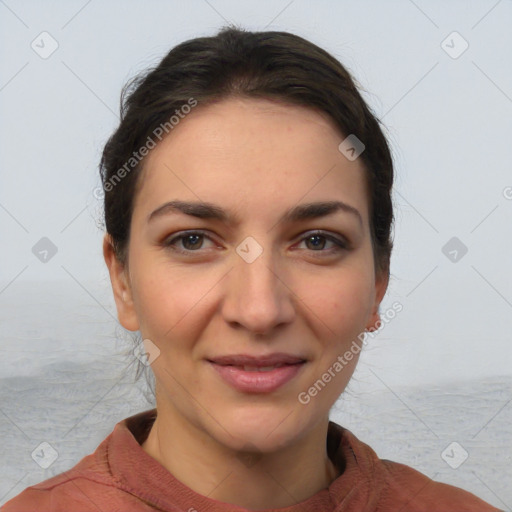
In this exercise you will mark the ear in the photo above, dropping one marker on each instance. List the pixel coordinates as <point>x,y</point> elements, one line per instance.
<point>381,285</point>
<point>121,287</point>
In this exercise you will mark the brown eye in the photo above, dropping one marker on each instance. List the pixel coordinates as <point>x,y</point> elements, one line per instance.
<point>191,241</point>
<point>317,241</point>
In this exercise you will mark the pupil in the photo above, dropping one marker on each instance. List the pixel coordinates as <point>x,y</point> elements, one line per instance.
<point>318,238</point>
<point>196,237</point>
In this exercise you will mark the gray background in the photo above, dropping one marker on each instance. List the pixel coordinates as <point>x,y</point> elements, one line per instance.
<point>440,372</point>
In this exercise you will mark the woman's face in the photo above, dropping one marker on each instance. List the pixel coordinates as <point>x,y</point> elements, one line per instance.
<point>250,282</point>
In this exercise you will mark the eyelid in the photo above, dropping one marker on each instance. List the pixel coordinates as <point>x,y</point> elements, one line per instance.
<point>168,241</point>
<point>340,242</point>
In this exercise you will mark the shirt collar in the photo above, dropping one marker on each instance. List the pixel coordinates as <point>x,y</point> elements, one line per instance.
<point>145,477</point>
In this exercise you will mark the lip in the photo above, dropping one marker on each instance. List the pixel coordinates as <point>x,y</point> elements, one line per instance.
<point>231,369</point>
<point>259,361</point>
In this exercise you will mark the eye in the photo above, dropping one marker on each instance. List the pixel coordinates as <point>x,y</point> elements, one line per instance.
<point>192,241</point>
<point>317,241</point>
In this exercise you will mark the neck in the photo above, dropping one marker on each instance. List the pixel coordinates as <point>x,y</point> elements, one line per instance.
<point>254,481</point>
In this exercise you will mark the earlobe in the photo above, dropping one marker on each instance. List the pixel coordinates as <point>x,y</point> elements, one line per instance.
<point>121,287</point>
<point>381,285</point>
<point>374,322</point>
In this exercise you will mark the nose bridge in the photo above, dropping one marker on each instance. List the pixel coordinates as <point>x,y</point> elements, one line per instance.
<point>257,297</point>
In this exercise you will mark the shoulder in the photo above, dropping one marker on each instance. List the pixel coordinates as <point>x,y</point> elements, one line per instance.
<point>405,486</point>
<point>96,482</point>
<point>390,485</point>
<point>75,489</point>
<point>84,488</point>
<point>78,489</point>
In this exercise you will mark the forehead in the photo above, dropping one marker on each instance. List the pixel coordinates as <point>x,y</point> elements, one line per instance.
<point>248,152</point>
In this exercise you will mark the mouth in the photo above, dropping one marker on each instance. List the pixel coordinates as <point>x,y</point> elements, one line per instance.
<point>248,368</point>
<point>252,374</point>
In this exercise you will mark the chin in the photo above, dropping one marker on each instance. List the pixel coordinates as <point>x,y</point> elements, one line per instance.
<point>266,428</point>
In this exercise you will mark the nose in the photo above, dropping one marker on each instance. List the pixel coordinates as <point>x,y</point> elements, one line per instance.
<point>258,296</point>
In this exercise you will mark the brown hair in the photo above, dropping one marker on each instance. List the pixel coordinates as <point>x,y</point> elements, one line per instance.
<point>235,62</point>
<point>275,65</point>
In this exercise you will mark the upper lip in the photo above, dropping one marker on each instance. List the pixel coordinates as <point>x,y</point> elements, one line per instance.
<point>257,361</point>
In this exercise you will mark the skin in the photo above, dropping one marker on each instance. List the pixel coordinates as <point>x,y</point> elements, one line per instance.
<point>255,158</point>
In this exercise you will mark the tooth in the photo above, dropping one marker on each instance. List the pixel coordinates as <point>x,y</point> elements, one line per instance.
<point>258,368</point>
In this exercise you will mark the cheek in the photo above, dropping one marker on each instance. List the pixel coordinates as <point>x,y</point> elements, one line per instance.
<point>341,302</point>
<point>169,298</point>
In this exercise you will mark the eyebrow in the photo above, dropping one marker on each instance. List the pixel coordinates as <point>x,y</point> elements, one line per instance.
<point>205,210</point>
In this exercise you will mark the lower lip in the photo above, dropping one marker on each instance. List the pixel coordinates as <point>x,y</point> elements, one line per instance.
<point>257,382</point>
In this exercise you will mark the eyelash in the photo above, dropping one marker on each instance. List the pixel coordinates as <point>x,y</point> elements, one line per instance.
<point>340,245</point>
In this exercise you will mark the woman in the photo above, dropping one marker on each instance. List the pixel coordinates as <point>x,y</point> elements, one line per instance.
<point>248,213</point>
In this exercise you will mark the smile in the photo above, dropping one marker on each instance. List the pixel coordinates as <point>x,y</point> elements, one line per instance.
<point>257,376</point>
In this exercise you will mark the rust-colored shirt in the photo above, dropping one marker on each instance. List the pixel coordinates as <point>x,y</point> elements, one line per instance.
<point>121,476</point>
